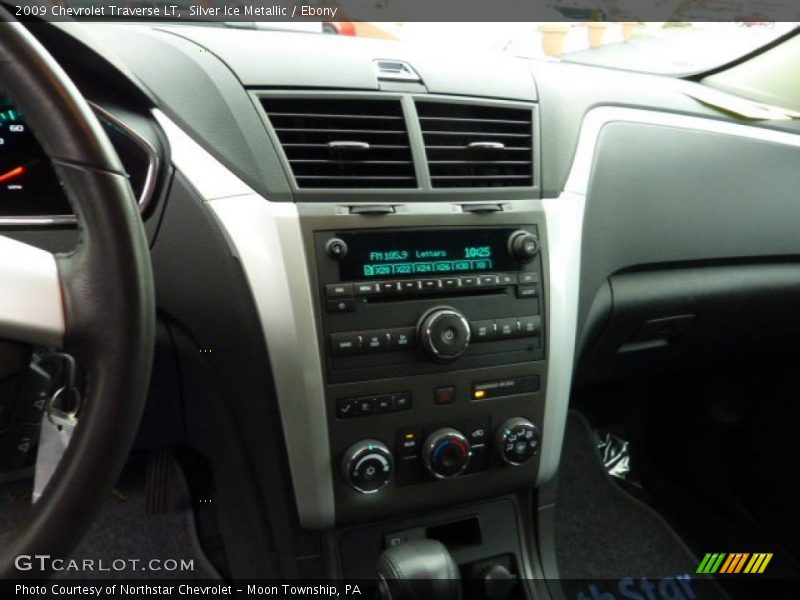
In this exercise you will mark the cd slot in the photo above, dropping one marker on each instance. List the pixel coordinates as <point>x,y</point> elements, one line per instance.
<point>455,293</point>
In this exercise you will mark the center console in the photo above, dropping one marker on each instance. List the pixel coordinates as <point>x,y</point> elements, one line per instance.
<point>433,343</point>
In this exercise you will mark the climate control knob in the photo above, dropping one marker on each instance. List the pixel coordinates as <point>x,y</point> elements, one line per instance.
<point>443,333</point>
<point>523,246</point>
<point>367,466</point>
<point>446,453</point>
<point>517,441</point>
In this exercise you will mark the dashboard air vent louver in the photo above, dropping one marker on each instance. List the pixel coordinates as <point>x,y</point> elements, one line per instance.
<point>347,143</point>
<point>471,145</point>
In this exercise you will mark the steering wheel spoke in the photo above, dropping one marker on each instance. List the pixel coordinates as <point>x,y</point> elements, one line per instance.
<point>31,300</point>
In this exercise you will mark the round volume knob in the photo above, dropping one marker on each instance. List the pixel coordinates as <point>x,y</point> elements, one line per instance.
<point>523,245</point>
<point>446,453</point>
<point>517,440</point>
<point>443,333</point>
<point>367,466</point>
<point>336,248</point>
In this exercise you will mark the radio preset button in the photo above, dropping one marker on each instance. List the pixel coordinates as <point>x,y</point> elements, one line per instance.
<point>430,285</point>
<point>401,338</point>
<point>507,279</point>
<point>345,343</point>
<point>482,331</point>
<point>469,282</point>
<point>506,328</point>
<point>389,288</point>
<point>450,283</point>
<point>409,286</point>
<point>490,280</point>
<point>374,341</point>
<point>526,278</point>
<point>529,326</point>
<point>366,288</point>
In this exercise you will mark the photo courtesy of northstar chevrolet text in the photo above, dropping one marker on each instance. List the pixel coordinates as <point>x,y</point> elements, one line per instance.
<point>399,300</point>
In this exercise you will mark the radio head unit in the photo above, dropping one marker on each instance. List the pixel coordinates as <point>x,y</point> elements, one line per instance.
<point>399,302</point>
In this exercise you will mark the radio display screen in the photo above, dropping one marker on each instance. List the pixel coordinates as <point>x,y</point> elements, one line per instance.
<point>424,253</point>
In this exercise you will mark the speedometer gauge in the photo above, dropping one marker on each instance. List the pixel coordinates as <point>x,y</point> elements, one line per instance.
<point>28,183</point>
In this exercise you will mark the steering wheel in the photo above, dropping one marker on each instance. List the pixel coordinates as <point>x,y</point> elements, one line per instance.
<point>95,303</point>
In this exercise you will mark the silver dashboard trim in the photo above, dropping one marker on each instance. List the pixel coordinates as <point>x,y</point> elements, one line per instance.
<point>267,239</point>
<point>31,303</point>
<point>564,221</point>
<point>145,197</point>
<point>149,187</point>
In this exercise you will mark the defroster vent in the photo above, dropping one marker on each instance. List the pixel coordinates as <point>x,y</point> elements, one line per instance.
<point>472,146</point>
<point>348,143</point>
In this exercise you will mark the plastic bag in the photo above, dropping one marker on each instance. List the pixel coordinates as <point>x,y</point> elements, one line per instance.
<point>615,453</point>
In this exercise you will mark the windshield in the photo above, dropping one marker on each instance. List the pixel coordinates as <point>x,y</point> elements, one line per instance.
<point>667,48</point>
<point>714,32</point>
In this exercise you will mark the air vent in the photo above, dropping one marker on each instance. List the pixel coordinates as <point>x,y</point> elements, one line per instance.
<point>346,143</point>
<point>477,145</point>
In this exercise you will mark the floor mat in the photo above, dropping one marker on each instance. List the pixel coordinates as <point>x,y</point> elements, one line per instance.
<point>124,542</point>
<point>604,533</point>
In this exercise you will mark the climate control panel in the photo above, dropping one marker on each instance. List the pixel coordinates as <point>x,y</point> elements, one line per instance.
<point>444,453</point>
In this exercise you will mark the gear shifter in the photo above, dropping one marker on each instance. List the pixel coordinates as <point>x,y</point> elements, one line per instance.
<point>418,570</point>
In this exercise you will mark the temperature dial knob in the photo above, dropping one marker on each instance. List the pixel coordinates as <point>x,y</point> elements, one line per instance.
<point>446,453</point>
<point>517,440</point>
<point>523,245</point>
<point>367,466</point>
<point>443,333</point>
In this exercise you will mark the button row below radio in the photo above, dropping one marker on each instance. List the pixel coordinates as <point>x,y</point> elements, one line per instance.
<point>505,329</point>
<point>434,285</point>
<point>367,342</point>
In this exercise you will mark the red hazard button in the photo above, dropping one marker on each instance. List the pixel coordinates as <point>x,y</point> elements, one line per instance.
<point>444,395</point>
